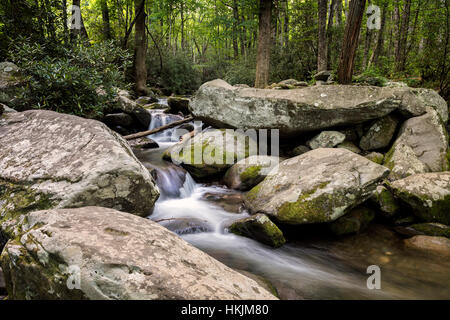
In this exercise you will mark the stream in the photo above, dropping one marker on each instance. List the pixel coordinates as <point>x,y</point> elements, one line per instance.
<point>313,267</point>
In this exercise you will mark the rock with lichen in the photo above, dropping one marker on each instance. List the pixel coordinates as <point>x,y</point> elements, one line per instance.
<point>376,157</point>
<point>102,254</point>
<point>260,228</point>
<point>431,229</point>
<point>428,195</point>
<point>49,160</point>
<point>248,172</point>
<point>386,201</point>
<point>379,134</point>
<point>326,139</point>
<point>318,186</point>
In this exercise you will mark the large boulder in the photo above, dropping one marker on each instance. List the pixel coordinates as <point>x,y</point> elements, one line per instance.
<point>211,152</point>
<point>318,186</point>
<point>178,104</point>
<point>292,111</point>
<point>429,244</point>
<point>248,172</point>
<point>306,109</point>
<point>260,228</point>
<point>428,194</point>
<point>141,115</point>
<point>53,160</point>
<point>99,253</point>
<point>421,146</point>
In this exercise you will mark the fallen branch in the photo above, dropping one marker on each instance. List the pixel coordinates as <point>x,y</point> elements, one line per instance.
<point>162,128</point>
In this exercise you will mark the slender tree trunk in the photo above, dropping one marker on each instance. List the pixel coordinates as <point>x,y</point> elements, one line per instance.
<point>339,12</point>
<point>105,17</point>
<point>330,31</point>
<point>140,49</point>
<point>82,32</point>
<point>322,36</point>
<point>182,25</point>
<point>350,42</point>
<point>234,30</point>
<point>400,57</point>
<point>286,23</point>
<point>264,44</point>
<point>65,26</point>
<point>379,48</point>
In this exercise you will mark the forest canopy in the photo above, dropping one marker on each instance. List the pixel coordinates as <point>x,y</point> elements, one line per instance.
<point>190,42</point>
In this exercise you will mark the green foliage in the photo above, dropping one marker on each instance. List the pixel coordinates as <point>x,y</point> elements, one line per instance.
<point>370,76</point>
<point>67,79</point>
<point>178,74</point>
<point>241,72</point>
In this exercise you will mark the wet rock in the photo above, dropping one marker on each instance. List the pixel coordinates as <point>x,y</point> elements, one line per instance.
<point>48,160</point>
<point>143,143</point>
<point>232,202</point>
<point>421,146</point>
<point>211,152</point>
<point>142,101</point>
<point>260,228</point>
<point>262,281</point>
<point>437,245</point>
<point>349,146</point>
<point>326,139</point>
<point>118,119</point>
<point>178,104</point>
<point>183,226</point>
<point>318,186</point>
<point>379,134</point>
<point>388,205</point>
<point>376,157</point>
<point>248,172</point>
<point>299,150</point>
<point>355,221</point>
<point>117,256</point>
<point>292,111</point>
<point>431,229</point>
<point>427,194</point>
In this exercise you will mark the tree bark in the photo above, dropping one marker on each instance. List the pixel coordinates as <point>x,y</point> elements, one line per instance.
<point>82,32</point>
<point>330,30</point>
<point>140,49</point>
<point>322,36</point>
<point>234,31</point>
<point>379,48</point>
<point>65,26</point>
<point>350,42</point>
<point>105,18</point>
<point>400,57</point>
<point>264,44</point>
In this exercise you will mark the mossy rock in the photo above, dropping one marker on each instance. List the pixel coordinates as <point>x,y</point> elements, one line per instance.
<point>376,157</point>
<point>432,229</point>
<point>355,221</point>
<point>260,228</point>
<point>389,206</point>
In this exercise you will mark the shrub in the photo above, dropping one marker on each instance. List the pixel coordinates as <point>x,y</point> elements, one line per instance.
<point>67,79</point>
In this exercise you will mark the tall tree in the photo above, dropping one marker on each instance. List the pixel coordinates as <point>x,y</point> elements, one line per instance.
<point>400,54</point>
<point>106,23</point>
<point>350,42</point>
<point>82,30</point>
<point>322,36</point>
<point>379,47</point>
<point>140,49</point>
<point>264,44</point>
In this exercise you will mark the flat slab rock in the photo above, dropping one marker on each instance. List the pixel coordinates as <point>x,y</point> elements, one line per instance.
<point>306,109</point>
<point>49,160</point>
<point>115,255</point>
<point>318,186</point>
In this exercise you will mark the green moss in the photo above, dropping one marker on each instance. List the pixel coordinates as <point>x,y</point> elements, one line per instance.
<point>253,193</point>
<point>387,202</point>
<point>354,222</point>
<point>251,173</point>
<point>378,158</point>
<point>432,229</point>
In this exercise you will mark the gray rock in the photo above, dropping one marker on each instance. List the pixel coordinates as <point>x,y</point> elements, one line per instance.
<point>116,256</point>
<point>118,119</point>
<point>211,152</point>
<point>143,143</point>
<point>318,186</point>
<point>428,194</point>
<point>293,82</point>
<point>299,150</point>
<point>376,157</point>
<point>292,111</point>
<point>140,114</point>
<point>387,203</point>
<point>326,139</point>
<point>142,101</point>
<point>248,172</point>
<point>417,101</point>
<point>355,221</point>
<point>11,80</point>
<point>48,160</point>
<point>420,147</point>
<point>380,134</point>
<point>349,146</point>
<point>431,229</point>
<point>322,75</point>
<point>260,228</point>
<point>6,108</point>
<point>178,104</point>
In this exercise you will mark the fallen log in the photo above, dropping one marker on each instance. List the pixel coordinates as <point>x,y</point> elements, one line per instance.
<point>159,129</point>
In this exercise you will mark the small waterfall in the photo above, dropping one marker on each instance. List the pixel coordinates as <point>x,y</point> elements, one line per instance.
<point>160,118</point>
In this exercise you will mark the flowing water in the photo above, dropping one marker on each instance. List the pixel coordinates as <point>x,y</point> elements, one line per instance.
<point>316,267</point>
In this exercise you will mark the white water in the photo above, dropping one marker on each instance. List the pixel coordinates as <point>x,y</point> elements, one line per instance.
<point>297,270</point>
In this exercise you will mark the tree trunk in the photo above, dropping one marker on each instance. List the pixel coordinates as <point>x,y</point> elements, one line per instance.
<point>350,42</point>
<point>330,31</point>
<point>65,26</point>
<point>400,57</point>
<point>182,25</point>
<point>339,12</point>
<point>264,44</point>
<point>322,36</point>
<point>379,48</point>
<point>75,32</point>
<point>234,31</point>
<point>105,17</point>
<point>286,23</point>
<point>140,49</point>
